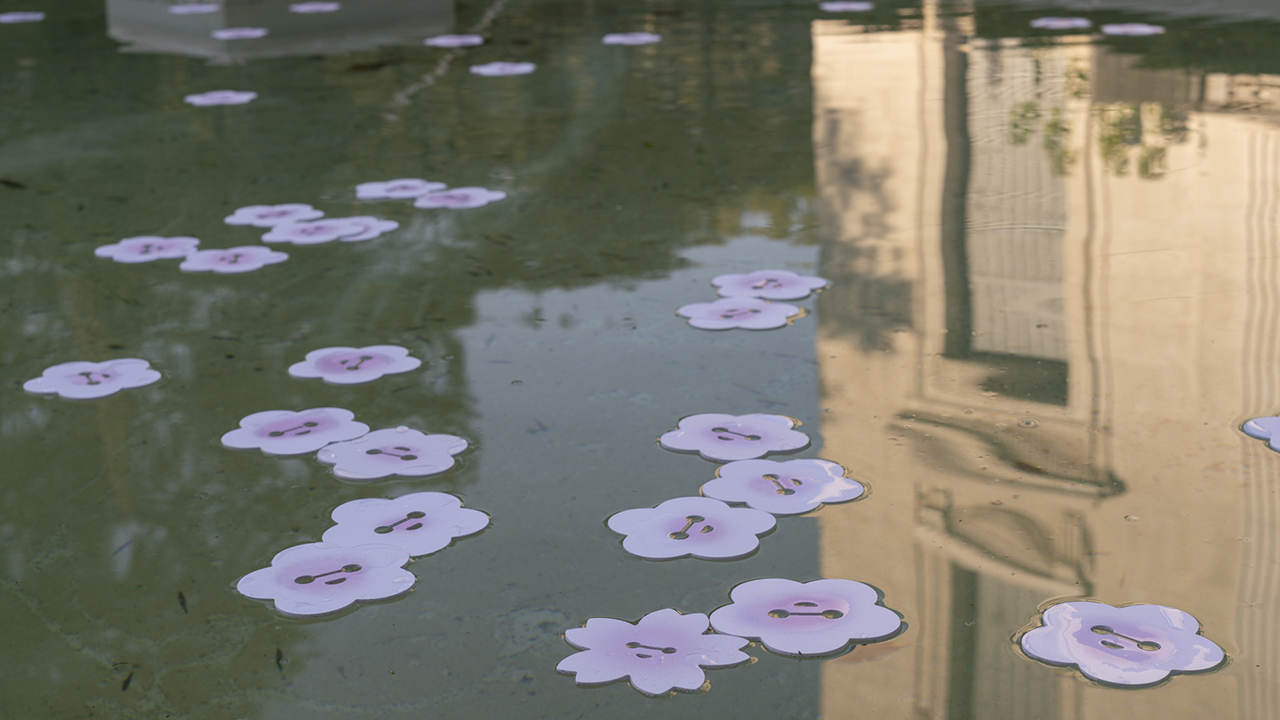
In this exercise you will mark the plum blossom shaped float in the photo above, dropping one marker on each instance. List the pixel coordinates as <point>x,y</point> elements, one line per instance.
<point>399,451</point>
<point>846,6</point>
<point>239,33</point>
<point>246,258</point>
<point>285,432</point>
<point>146,248</point>
<point>739,312</point>
<point>783,488</point>
<point>1264,428</point>
<point>220,97</point>
<point>322,578</point>
<point>453,41</point>
<point>315,232</point>
<point>351,366</point>
<point>315,7</point>
<point>401,189</point>
<point>419,523</point>
<point>463,198</point>
<point>691,527</point>
<point>1061,23</point>
<point>84,380</point>
<point>631,38</point>
<point>820,617</point>
<point>272,215</point>
<point>500,69</point>
<point>20,16</point>
<point>194,8</point>
<point>1130,646</point>
<point>716,436</point>
<point>662,652</point>
<point>1135,29</point>
<point>768,284</point>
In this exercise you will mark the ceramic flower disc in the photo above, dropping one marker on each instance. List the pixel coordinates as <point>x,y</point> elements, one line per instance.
<point>453,41</point>
<point>631,38</point>
<point>419,523</point>
<point>147,248</point>
<point>246,258</point>
<point>351,366</point>
<point>284,432</point>
<point>194,8</point>
<point>320,578</point>
<point>272,215</point>
<point>462,198</point>
<point>662,652</point>
<point>220,97</point>
<point>315,7</point>
<point>315,232</point>
<point>768,285</point>
<point>1264,428</point>
<point>739,312</point>
<point>716,436</point>
<point>1061,23</point>
<point>83,380</point>
<point>691,527</point>
<point>499,69</point>
<point>783,488</point>
<point>239,33</point>
<point>845,6</point>
<point>1130,646</point>
<point>401,189</point>
<point>1135,29</point>
<point>399,451</point>
<point>20,16</point>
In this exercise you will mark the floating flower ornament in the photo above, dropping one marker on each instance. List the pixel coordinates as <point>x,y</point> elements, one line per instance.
<point>783,488</point>
<point>83,380</point>
<point>462,198</point>
<point>399,451</point>
<point>1062,23</point>
<point>716,436</point>
<point>315,7</point>
<point>846,6</point>
<point>242,259</point>
<point>739,312</point>
<point>284,432</point>
<point>631,38</point>
<point>194,8</point>
<point>821,617</point>
<point>315,232</point>
<point>662,652</point>
<point>453,41</point>
<point>768,284</point>
<point>146,248</point>
<point>10,18</point>
<point>691,527</point>
<point>239,33</point>
<point>220,97</point>
<point>1130,646</point>
<point>499,69</point>
<point>1264,428</point>
<point>419,524</point>
<point>351,366</point>
<point>320,578</point>
<point>272,215</point>
<point>401,189</point>
<point>1137,29</point>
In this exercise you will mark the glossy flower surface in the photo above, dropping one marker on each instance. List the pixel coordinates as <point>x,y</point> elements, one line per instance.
<point>783,488</point>
<point>285,432</point>
<point>351,366</point>
<point>272,215</point>
<point>419,523</point>
<point>768,284</point>
<point>631,38</point>
<point>453,41</point>
<point>716,436</point>
<point>238,33</point>
<point>321,578</point>
<point>739,312</point>
<point>1062,23</point>
<point>146,248</point>
<point>220,97</point>
<point>462,198</point>
<point>399,451</point>
<point>500,69</point>
<point>401,189</point>
<point>246,258</point>
<point>1135,29</point>
<point>691,527</point>
<point>83,380</point>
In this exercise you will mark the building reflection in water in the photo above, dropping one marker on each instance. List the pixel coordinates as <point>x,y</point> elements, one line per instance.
<point>1055,300</point>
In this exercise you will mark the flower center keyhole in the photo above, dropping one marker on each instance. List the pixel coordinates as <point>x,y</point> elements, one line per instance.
<point>664,650</point>
<point>1146,645</point>
<point>828,614</point>
<point>384,529</point>
<point>358,362</point>
<point>730,432</point>
<point>690,521</point>
<point>89,377</point>
<point>278,433</point>
<point>308,579</point>
<point>736,313</point>
<point>771,283</point>
<point>382,451</point>
<point>781,489</point>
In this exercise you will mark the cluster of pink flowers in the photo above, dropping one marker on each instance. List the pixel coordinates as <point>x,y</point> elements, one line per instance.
<point>745,301</point>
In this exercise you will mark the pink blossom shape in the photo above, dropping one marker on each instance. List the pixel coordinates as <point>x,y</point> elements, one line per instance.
<point>498,69</point>
<point>1130,646</point>
<point>631,38</point>
<point>372,227</point>
<point>194,8</point>
<point>453,41</point>
<point>220,97</point>
<point>399,451</point>
<point>239,33</point>
<point>20,17</point>
<point>1138,29</point>
<point>242,259</point>
<point>418,523</point>
<point>83,380</point>
<point>739,312</point>
<point>401,189</point>
<point>783,488</point>
<point>284,432</point>
<point>768,284</point>
<point>315,232</point>
<point>662,652</point>
<point>821,617</point>
<point>351,366</point>
<point>845,6</point>
<point>272,215</point>
<point>315,7</point>
<point>146,248</point>
<point>691,527</point>
<point>716,436</point>
<point>459,198</point>
<point>1062,23</point>
<point>320,578</point>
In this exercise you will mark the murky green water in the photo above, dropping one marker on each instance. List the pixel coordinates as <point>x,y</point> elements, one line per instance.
<point>1053,262</point>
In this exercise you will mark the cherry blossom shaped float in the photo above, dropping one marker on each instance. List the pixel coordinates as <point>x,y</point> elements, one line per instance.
<point>419,523</point>
<point>246,258</point>
<point>716,436</point>
<point>272,215</point>
<point>305,8</point>
<point>691,527</point>
<point>322,578</point>
<point>664,651</point>
<point>768,285</point>
<point>285,432</point>
<point>316,232</point>
<point>220,97</point>
<point>20,16</point>
<point>239,33</point>
<point>453,41</point>
<point>1264,428</point>
<point>352,366</point>
<point>501,69</point>
<point>631,38</point>
<point>401,189</point>
<point>1128,646</point>
<point>812,619</point>
<point>463,198</point>
<point>1061,23</point>
<point>399,451</point>
<point>146,248</point>
<point>1134,29</point>
<point>846,6</point>
<point>194,8</point>
<point>783,488</point>
<point>739,312</point>
<point>84,380</point>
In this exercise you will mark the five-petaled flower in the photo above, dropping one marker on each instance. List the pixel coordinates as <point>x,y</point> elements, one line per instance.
<point>498,69</point>
<point>459,198</point>
<point>220,97</point>
<point>1137,29</point>
<point>716,436</point>
<point>245,258</point>
<point>739,312</point>
<point>691,527</point>
<point>272,215</point>
<point>820,617</point>
<point>399,451</point>
<point>768,284</point>
<point>1061,23</point>
<point>783,488</point>
<point>1132,645</point>
<point>419,523</point>
<point>146,248</point>
<point>453,41</point>
<point>284,432</point>
<point>631,38</point>
<point>321,578</point>
<point>401,189</point>
<point>20,16</point>
<point>315,232</point>
<point>351,366</point>
<point>662,652</point>
<point>239,33</point>
<point>83,380</point>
